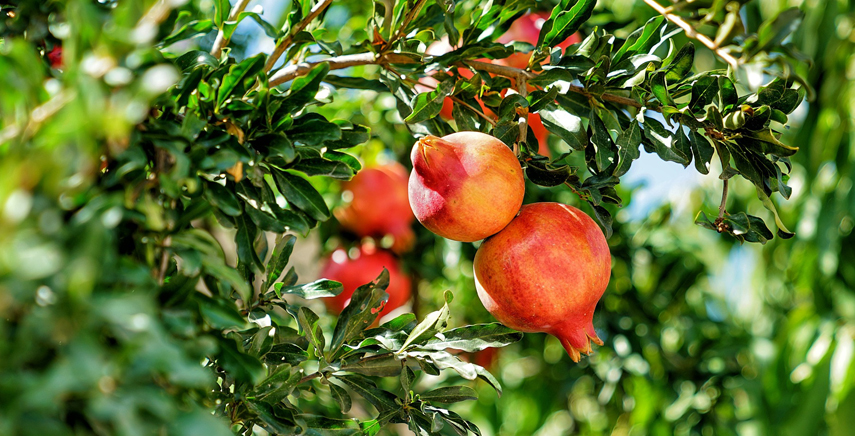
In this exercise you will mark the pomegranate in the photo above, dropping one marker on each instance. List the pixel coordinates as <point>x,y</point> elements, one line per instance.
<point>361,269</point>
<point>527,29</point>
<point>465,186</point>
<point>378,205</point>
<point>545,272</point>
<point>55,57</point>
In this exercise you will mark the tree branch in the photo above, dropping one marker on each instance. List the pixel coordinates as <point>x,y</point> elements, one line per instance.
<point>221,42</point>
<point>692,33</point>
<point>286,42</point>
<point>336,63</point>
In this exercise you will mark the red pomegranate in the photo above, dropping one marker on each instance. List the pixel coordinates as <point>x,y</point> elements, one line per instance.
<point>55,57</point>
<point>378,205</point>
<point>545,272</point>
<point>465,186</point>
<point>361,269</point>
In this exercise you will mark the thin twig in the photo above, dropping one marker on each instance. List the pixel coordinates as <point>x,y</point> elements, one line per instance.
<point>473,109</point>
<point>286,42</point>
<point>164,260</point>
<point>414,12</point>
<point>522,88</point>
<point>692,33</point>
<point>221,42</point>
<point>309,377</point>
<point>336,63</point>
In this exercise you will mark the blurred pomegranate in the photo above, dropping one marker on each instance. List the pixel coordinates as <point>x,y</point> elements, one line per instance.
<point>363,268</point>
<point>55,57</point>
<point>377,205</point>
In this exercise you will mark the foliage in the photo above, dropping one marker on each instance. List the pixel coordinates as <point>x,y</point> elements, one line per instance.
<point>141,287</point>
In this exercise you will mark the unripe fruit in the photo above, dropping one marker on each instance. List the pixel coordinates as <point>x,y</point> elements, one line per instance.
<point>465,186</point>
<point>379,206</point>
<point>545,272</point>
<point>363,269</point>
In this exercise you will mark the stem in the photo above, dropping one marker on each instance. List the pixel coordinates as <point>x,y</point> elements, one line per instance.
<point>722,207</point>
<point>414,12</point>
<point>522,87</point>
<point>293,71</point>
<point>286,42</point>
<point>473,109</point>
<point>221,41</point>
<point>309,377</point>
<point>692,33</point>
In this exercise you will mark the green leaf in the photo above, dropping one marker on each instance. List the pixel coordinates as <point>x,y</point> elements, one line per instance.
<point>285,353</point>
<point>239,78</point>
<point>704,90</point>
<point>770,144</point>
<point>356,83</point>
<point>279,259</point>
<point>341,397</point>
<point>434,322</point>
<point>681,65</point>
<point>543,173</point>
<point>451,394</point>
<point>220,313</point>
<point>264,220</point>
<point>222,198</point>
<point>308,322</point>
<point>428,104</point>
<point>222,8</point>
<point>303,90</point>
<point>383,365</point>
<point>473,338</point>
<point>605,156</point>
<point>301,194</point>
<point>628,143</point>
<point>702,151</point>
<point>640,41</point>
<point>565,21</point>
<point>663,142</point>
<point>772,33</point>
<point>279,384</point>
<point>241,366</point>
<point>566,125</point>
<point>187,31</point>
<point>381,400</point>
<point>245,241</point>
<point>660,89</point>
<point>321,288</point>
<point>365,306</point>
<point>783,232</point>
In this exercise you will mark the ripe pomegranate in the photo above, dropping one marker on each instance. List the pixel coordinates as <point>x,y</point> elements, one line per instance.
<point>55,57</point>
<point>527,29</point>
<point>363,268</point>
<point>545,272</point>
<point>379,206</point>
<point>465,186</point>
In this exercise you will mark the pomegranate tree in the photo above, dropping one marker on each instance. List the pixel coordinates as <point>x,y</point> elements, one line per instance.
<point>545,272</point>
<point>465,186</point>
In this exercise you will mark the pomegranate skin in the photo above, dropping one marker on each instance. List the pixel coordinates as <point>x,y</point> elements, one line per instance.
<point>379,206</point>
<point>353,273</point>
<point>465,186</point>
<point>545,272</point>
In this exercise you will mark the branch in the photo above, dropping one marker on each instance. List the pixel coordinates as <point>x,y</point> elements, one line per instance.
<point>692,33</point>
<point>221,41</point>
<point>286,42</point>
<point>336,63</point>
